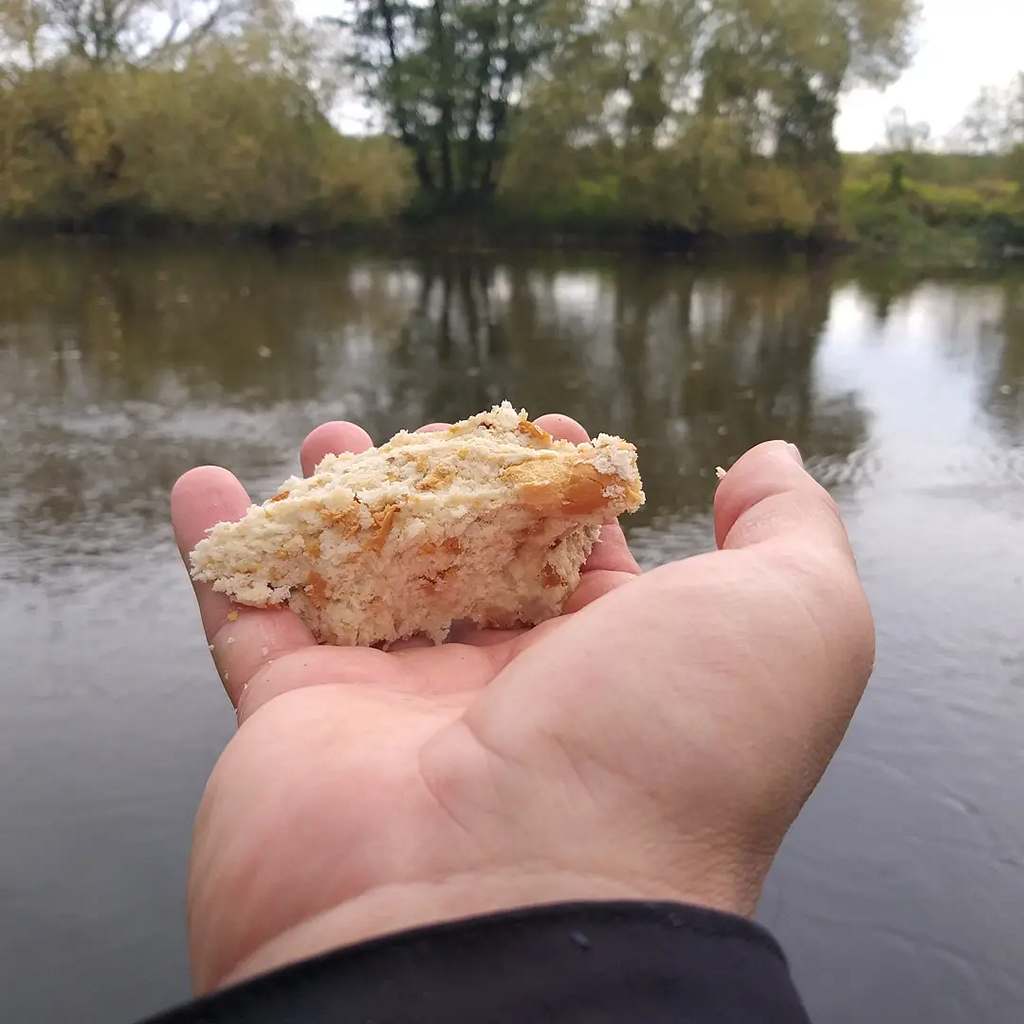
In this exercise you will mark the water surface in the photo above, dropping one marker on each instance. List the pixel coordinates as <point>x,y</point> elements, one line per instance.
<point>899,893</point>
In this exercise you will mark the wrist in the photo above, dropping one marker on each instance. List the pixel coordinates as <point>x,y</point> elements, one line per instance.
<point>397,907</point>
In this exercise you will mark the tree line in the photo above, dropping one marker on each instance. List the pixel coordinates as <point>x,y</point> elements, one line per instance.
<point>690,116</point>
<point>206,113</point>
<point>958,200</point>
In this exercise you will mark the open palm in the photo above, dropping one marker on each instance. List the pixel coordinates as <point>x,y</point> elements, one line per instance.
<point>654,742</point>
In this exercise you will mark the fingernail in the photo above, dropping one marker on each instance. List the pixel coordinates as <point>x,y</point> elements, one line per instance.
<point>795,453</point>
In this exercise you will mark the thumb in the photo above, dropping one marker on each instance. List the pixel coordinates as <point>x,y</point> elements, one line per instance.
<point>770,505</point>
<point>769,496</point>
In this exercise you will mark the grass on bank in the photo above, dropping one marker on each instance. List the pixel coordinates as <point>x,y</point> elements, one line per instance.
<point>933,209</point>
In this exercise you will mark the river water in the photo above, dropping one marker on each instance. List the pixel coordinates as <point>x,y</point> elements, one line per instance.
<point>899,895</point>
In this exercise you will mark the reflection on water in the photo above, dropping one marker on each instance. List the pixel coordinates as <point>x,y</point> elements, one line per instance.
<point>132,367</point>
<point>119,368</point>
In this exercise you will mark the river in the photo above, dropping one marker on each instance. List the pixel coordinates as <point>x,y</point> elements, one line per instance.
<point>899,895</point>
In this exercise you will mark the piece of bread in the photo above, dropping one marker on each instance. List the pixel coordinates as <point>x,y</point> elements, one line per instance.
<point>488,521</point>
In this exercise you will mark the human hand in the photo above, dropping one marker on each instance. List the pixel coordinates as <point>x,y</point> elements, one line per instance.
<point>655,742</point>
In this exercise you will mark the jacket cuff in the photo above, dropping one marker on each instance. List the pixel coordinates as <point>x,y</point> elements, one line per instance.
<point>574,963</point>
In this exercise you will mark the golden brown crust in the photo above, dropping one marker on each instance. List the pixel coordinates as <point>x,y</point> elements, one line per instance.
<point>552,487</point>
<point>317,589</point>
<point>346,520</point>
<point>439,476</point>
<point>385,523</point>
<point>538,434</point>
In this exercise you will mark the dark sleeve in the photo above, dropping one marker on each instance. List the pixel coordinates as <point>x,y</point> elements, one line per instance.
<point>578,963</point>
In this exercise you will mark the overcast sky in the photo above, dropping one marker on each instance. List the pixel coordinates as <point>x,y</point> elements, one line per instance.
<point>961,45</point>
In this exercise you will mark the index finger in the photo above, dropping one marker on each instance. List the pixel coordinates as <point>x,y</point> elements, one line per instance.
<point>242,639</point>
<point>332,438</point>
<point>201,498</point>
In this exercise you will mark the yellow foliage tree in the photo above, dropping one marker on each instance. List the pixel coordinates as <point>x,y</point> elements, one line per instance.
<point>212,144</point>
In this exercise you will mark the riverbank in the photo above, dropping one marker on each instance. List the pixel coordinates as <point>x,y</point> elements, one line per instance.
<point>935,226</point>
<point>923,225</point>
<point>911,231</point>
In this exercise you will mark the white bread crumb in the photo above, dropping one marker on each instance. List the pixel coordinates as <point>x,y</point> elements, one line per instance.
<point>488,521</point>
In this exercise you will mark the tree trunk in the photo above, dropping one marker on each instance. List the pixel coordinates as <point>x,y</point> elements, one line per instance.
<point>483,79</point>
<point>421,161</point>
<point>445,101</point>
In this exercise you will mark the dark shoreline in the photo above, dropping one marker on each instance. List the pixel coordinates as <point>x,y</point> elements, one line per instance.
<point>503,234</point>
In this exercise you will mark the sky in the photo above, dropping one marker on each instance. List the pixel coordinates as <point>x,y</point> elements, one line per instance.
<point>961,45</point>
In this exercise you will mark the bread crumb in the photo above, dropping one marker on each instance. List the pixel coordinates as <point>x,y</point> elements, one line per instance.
<point>720,473</point>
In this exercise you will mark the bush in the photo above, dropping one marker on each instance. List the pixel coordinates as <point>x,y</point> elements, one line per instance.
<point>211,145</point>
<point>703,181</point>
<point>929,224</point>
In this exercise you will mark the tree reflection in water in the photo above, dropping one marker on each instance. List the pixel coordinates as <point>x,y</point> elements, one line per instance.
<point>122,366</point>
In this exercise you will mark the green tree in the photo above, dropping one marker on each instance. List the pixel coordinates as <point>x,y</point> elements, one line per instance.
<point>447,74</point>
<point>779,67</point>
<point>994,126</point>
<point>1013,126</point>
<point>983,127</point>
<point>782,64</point>
<point>673,111</point>
<point>902,136</point>
<point>1013,131</point>
<point>903,140</point>
<point>1015,165</point>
